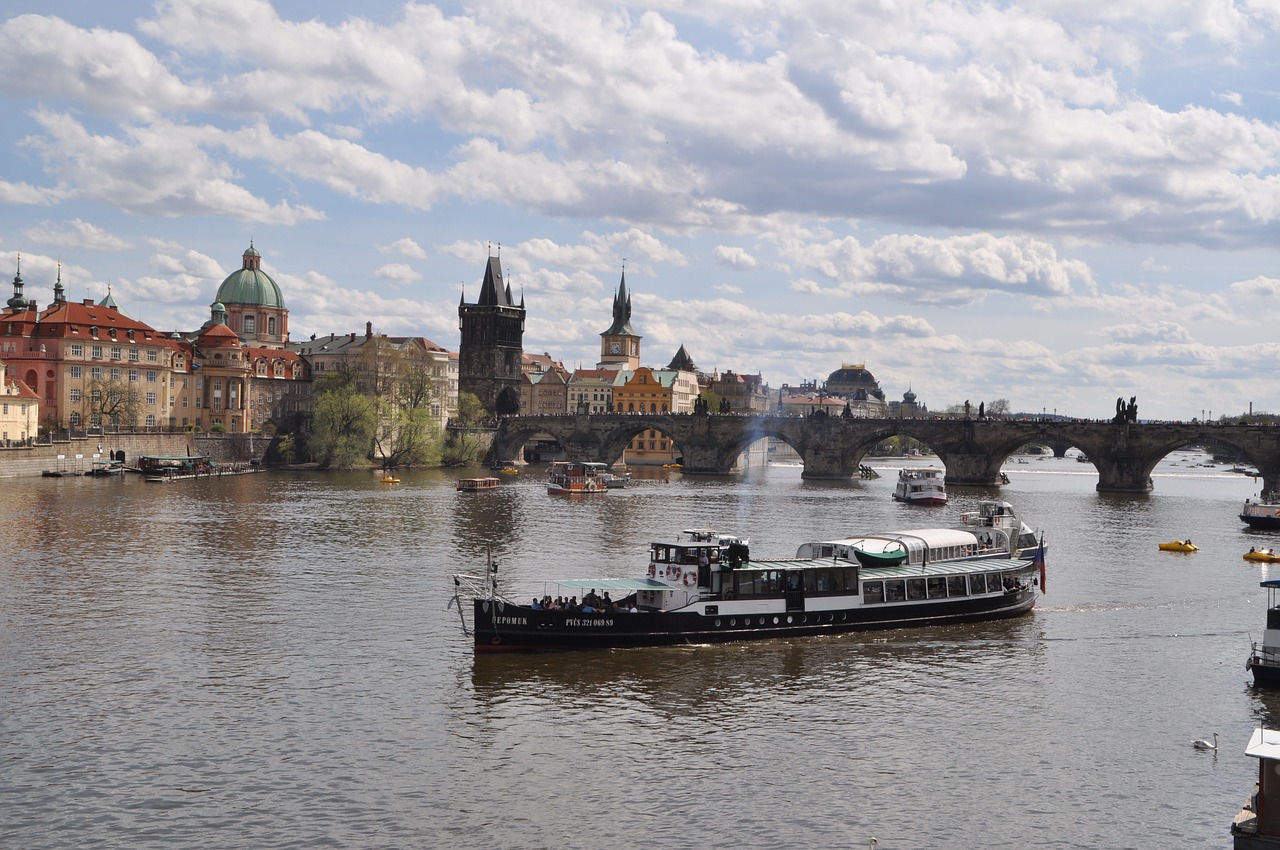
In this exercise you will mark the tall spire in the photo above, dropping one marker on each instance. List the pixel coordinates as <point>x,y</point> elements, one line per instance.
<point>622,310</point>
<point>59,296</point>
<point>17,301</point>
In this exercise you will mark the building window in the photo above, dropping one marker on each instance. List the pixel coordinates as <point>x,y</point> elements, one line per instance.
<point>96,352</point>
<point>152,374</point>
<point>250,324</point>
<point>133,375</point>
<point>151,420</point>
<point>115,353</point>
<point>77,349</point>
<point>75,395</point>
<point>151,398</point>
<point>152,355</point>
<point>77,372</point>
<point>115,373</point>
<point>133,355</point>
<point>75,419</point>
<point>271,325</point>
<point>95,372</point>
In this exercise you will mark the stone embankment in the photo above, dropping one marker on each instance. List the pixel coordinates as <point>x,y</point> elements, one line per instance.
<point>76,454</point>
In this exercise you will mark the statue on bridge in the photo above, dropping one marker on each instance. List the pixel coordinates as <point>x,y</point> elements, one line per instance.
<point>1126,412</point>
<point>982,410</point>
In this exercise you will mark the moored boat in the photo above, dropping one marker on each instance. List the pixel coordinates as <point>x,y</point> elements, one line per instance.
<point>474,485</point>
<point>926,486</point>
<point>1257,825</point>
<point>1264,657</point>
<point>616,480</point>
<point>709,589</point>
<point>1179,546</point>
<point>1264,513</point>
<point>573,478</point>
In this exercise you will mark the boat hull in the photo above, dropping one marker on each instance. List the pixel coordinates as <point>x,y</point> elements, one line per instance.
<point>1261,521</point>
<point>503,627</point>
<point>1265,674</point>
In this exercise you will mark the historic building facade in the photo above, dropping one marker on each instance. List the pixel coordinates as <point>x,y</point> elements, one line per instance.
<point>491,344</point>
<point>19,409</point>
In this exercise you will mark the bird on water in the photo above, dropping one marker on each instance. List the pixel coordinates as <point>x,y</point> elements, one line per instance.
<point>1205,745</point>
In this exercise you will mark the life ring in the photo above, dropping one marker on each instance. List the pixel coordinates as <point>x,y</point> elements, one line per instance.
<point>675,573</point>
<point>653,569</point>
<point>690,579</point>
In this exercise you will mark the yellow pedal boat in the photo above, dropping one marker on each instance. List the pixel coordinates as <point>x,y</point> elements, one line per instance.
<point>1179,546</point>
<point>1266,556</point>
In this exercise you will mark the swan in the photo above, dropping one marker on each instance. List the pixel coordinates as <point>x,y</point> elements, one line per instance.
<point>1205,745</point>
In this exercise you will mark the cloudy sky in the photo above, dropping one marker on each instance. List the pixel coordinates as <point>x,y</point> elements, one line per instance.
<point>1057,205</point>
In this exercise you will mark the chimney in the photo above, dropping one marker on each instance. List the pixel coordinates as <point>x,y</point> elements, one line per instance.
<point>368,330</point>
<point>353,336</point>
<point>88,302</point>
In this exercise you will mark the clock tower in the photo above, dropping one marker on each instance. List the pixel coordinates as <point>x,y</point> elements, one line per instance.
<point>620,345</point>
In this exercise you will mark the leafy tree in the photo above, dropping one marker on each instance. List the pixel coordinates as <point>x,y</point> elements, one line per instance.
<point>463,448</point>
<point>344,422</point>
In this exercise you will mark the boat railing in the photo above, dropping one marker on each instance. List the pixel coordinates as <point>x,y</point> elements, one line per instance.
<point>1265,654</point>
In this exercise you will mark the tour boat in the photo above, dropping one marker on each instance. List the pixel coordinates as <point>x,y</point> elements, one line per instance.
<point>573,478</point>
<point>1257,825</point>
<point>473,485</point>
<point>925,486</point>
<point>1264,513</point>
<point>1179,546</point>
<point>1265,556</point>
<point>708,589</point>
<point>1264,658</point>
<point>616,481</point>
<point>998,527</point>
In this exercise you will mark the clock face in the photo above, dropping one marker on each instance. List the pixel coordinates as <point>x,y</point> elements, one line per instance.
<point>615,347</point>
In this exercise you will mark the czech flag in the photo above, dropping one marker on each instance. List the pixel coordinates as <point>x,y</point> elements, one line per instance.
<point>1039,562</point>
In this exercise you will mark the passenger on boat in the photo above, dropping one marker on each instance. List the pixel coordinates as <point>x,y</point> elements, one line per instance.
<point>537,606</point>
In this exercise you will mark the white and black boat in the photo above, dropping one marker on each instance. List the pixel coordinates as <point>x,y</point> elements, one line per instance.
<point>710,590</point>
<point>924,486</point>
<point>1264,657</point>
<point>1263,513</point>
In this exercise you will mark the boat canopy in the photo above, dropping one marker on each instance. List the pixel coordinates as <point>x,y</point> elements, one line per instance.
<point>916,541</point>
<point>1264,744</point>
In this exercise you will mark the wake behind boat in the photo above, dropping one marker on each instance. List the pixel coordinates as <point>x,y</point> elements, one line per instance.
<point>708,589</point>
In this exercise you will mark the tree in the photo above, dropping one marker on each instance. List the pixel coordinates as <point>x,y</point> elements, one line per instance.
<point>397,376</point>
<point>344,422</point>
<point>999,407</point>
<point>111,400</point>
<point>463,448</point>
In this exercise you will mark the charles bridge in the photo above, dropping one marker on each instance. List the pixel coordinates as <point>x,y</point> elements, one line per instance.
<point>972,450</point>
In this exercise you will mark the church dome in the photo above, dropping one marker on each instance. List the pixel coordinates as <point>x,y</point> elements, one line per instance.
<point>856,374</point>
<point>251,286</point>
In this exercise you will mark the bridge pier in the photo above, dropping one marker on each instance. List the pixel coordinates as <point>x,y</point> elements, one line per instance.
<point>1123,474</point>
<point>976,468</point>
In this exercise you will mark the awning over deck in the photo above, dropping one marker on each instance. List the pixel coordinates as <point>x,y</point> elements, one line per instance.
<point>614,584</point>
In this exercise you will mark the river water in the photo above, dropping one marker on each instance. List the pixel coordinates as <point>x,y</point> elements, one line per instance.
<point>269,661</point>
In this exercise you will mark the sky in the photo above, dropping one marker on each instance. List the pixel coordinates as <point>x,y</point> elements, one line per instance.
<point>1058,204</point>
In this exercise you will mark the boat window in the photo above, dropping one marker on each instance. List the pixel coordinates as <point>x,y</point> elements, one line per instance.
<point>937,587</point>
<point>915,588</point>
<point>894,591</point>
<point>956,586</point>
<point>994,582</point>
<point>873,591</point>
<point>978,583</point>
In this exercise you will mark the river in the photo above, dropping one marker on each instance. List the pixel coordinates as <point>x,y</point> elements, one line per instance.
<point>269,661</point>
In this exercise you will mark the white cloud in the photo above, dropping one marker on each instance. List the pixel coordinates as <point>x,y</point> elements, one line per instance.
<point>399,274</point>
<point>405,247</point>
<point>735,258</point>
<point>76,233</point>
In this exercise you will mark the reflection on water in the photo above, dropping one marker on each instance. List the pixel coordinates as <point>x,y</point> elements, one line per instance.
<point>271,657</point>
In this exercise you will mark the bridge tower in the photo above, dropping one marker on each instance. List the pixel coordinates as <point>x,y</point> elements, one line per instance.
<point>492,344</point>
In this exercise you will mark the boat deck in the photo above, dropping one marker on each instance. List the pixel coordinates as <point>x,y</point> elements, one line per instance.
<point>933,568</point>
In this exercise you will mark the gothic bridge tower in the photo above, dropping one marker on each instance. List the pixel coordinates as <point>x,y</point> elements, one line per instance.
<point>492,344</point>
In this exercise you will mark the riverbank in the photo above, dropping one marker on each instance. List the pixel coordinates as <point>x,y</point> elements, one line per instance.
<point>76,454</point>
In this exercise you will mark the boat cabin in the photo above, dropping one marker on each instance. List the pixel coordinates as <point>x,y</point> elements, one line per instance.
<point>472,485</point>
<point>1257,826</point>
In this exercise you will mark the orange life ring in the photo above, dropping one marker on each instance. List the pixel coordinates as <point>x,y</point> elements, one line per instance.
<point>690,579</point>
<point>675,573</point>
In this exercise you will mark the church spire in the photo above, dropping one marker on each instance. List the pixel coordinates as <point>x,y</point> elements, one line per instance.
<point>17,301</point>
<point>59,296</point>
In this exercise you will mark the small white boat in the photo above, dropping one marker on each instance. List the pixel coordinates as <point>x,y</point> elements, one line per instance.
<point>926,486</point>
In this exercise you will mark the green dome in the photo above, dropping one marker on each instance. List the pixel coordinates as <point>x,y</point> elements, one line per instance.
<point>252,288</point>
